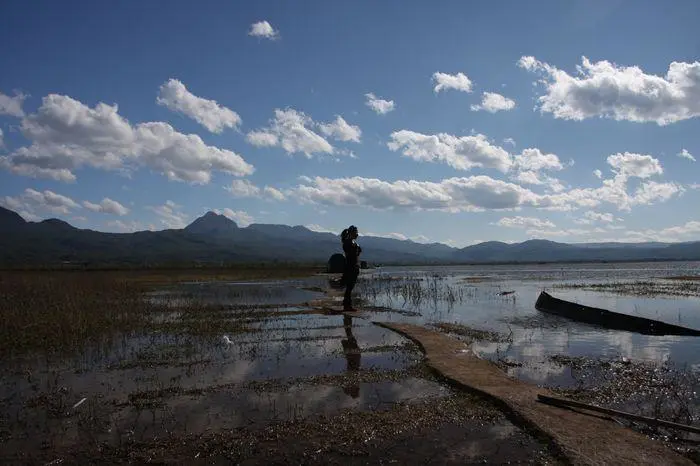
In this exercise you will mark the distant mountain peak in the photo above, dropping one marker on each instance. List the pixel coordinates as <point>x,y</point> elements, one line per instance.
<point>211,223</point>
<point>54,222</point>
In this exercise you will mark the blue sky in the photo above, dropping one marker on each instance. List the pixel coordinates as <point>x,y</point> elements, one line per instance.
<point>484,121</point>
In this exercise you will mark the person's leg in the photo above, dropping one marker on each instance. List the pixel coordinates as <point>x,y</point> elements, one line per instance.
<point>349,285</point>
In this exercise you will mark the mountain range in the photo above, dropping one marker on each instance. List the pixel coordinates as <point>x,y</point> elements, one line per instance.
<point>215,239</point>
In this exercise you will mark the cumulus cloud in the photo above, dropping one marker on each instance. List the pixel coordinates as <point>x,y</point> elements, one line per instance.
<point>208,113</point>
<point>241,217</point>
<point>291,130</point>
<point>274,193</point>
<point>67,135</point>
<point>536,160</point>
<point>598,174</point>
<point>107,206</point>
<point>445,81</point>
<point>31,203</point>
<point>605,89</point>
<point>683,154</point>
<point>12,106</point>
<point>263,29</point>
<point>461,153</point>
<point>636,165</point>
<point>244,188</point>
<point>528,166</point>
<point>341,130</point>
<point>170,215</point>
<point>651,192</point>
<point>380,106</point>
<point>688,231</point>
<point>538,179</point>
<point>524,222</point>
<point>510,141</point>
<point>453,194</point>
<point>592,216</point>
<point>493,102</point>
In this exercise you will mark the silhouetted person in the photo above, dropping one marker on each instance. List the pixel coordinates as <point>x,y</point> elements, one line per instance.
<point>352,355</point>
<point>352,252</point>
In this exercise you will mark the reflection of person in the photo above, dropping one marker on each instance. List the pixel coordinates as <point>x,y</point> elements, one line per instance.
<point>352,252</point>
<point>352,355</point>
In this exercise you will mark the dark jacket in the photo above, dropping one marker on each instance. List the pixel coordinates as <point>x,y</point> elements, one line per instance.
<point>352,252</point>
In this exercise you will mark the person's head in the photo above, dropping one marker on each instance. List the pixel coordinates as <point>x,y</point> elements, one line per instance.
<point>349,233</point>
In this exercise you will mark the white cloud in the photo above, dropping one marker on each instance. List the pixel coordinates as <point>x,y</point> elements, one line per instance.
<point>341,130</point>
<point>241,217</point>
<point>493,102</point>
<point>274,193</point>
<point>244,188</point>
<point>524,222</point>
<point>208,113</point>
<point>651,191</point>
<point>31,201</point>
<point>262,139</point>
<point>170,215</point>
<point>528,177</point>
<point>694,186</point>
<point>380,106</point>
<point>2,141</point>
<point>640,166</point>
<point>598,174</point>
<point>107,206</point>
<point>67,135</point>
<point>535,160</point>
<point>688,231</point>
<point>458,82</point>
<point>528,165</point>
<point>510,141</point>
<point>12,106</point>
<point>483,192</point>
<point>684,154</point>
<point>592,216</point>
<point>461,153</point>
<point>290,129</point>
<point>263,29</point>
<point>538,179</point>
<point>604,89</point>
<point>453,194</point>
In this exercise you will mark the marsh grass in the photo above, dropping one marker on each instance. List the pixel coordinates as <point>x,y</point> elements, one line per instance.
<point>54,312</point>
<point>677,287</point>
<point>433,291</point>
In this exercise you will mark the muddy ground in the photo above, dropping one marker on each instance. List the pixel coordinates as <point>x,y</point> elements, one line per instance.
<point>249,373</point>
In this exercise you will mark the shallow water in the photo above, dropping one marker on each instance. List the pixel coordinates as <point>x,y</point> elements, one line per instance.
<point>536,336</point>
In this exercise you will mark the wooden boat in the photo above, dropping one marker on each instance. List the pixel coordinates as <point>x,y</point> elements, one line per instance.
<point>608,319</point>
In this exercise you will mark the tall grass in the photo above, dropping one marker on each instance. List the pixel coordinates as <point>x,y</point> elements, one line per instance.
<point>50,312</point>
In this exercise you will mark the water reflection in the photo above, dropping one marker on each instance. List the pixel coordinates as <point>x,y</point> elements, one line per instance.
<point>481,304</point>
<point>353,356</point>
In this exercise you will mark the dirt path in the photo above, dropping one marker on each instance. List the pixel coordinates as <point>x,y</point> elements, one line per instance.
<point>584,439</point>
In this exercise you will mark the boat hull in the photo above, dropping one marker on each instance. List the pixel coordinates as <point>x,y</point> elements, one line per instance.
<point>608,319</point>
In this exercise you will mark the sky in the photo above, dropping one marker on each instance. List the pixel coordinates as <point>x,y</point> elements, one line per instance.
<point>453,122</point>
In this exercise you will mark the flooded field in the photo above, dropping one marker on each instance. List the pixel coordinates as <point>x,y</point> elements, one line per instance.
<point>493,308</point>
<point>97,368</point>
